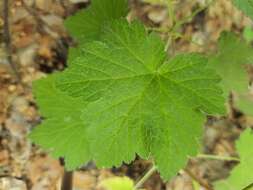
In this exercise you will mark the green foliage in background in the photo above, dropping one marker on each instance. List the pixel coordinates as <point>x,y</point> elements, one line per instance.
<point>246,6</point>
<point>87,24</point>
<point>230,63</point>
<point>241,176</point>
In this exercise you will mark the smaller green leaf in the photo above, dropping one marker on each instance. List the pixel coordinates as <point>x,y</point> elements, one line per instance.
<point>117,183</point>
<point>246,6</point>
<point>86,25</point>
<point>241,175</point>
<point>230,63</point>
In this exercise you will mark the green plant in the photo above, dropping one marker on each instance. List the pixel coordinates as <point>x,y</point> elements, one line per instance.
<point>248,34</point>
<point>138,99</point>
<point>122,95</point>
<point>117,183</point>
<point>233,55</point>
<point>241,177</point>
<point>246,6</point>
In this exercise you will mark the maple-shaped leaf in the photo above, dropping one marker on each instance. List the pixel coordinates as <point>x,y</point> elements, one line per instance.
<point>87,24</point>
<point>62,132</point>
<point>241,176</point>
<point>141,102</point>
<point>230,63</point>
<point>246,6</point>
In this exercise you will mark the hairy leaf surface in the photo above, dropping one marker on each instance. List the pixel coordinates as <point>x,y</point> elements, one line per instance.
<point>62,130</point>
<point>141,102</point>
<point>241,175</point>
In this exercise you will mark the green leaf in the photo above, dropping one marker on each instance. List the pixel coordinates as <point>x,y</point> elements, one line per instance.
<point>246,6</point>
<point>245,103</point>
<point>241,175</point>
<point>230,63</point>
<point>117,183</point>
<point>62,132</point>
<point>248,34</point>
<point>87,24</point>
<point>141,102</point>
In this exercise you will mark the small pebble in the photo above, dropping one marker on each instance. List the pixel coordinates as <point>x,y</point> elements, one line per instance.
<point>12,88</point>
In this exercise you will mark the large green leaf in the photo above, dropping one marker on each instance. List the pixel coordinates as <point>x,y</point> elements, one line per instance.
<point>62,132</point>
<point>87,24</point>
<point>241,175</point>
<point>141,102</point>
<point>246,6</point>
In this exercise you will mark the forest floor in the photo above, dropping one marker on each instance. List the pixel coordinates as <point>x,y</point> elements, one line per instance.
<point>38,47</point>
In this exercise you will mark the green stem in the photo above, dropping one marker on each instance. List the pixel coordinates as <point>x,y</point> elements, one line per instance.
<point>171,12</point>
<point>145,177</point>
<point>172,19</point>
<point>215,157</point>
<point>196,185</point>
<point>190,17</point>
<point>248,187</point>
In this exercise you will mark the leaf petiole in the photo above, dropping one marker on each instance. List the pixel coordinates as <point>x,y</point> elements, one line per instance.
<point>216,157</point>
<point>145,177</point>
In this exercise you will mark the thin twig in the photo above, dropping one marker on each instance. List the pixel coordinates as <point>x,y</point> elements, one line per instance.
<point>40,21</point>
<point>145,177</point>
<point>66,12</point>
<point>7,39</point>
<point>201,182</point>
<point>190,17</point>
<point>67,181</point>
<point>171,10</point>
<point>216,157</point>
